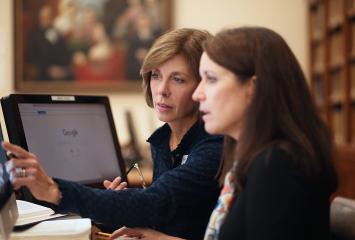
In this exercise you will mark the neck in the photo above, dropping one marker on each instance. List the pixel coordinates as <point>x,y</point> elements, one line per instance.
<point>235,135</point>
<point>236,131</point>
<point>179,129</point>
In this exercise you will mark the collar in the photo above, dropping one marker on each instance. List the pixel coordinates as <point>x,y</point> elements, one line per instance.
<point>160,136</point>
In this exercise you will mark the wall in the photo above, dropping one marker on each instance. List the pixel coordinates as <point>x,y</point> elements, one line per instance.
<point>288,17</point>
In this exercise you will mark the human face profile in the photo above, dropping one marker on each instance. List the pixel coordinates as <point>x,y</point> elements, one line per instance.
<point>223,98</point>
<point>172,85</point>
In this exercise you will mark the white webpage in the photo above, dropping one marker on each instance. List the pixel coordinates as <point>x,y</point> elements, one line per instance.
<point>73,142</point>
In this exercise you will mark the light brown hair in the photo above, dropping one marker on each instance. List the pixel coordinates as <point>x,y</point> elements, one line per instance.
<point>186,42</point>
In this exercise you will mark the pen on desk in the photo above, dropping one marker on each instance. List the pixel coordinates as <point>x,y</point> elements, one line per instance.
<point>103,235</point>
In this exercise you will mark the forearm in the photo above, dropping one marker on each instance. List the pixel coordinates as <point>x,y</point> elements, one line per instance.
<point>132,207</point>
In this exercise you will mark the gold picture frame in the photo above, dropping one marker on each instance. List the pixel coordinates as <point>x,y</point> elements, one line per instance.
<point>85,45</point>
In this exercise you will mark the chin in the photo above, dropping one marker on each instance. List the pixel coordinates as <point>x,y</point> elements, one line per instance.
<point>210,129</point>
<point>164,118</point>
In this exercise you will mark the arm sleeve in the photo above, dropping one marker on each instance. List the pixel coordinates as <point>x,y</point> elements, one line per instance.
<point>173,194</point>
<point>276,202</point>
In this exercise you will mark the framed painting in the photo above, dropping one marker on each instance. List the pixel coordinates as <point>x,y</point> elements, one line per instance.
<point>85,45</point>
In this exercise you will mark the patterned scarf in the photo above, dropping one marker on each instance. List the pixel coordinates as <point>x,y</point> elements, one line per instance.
<point>220,211</point>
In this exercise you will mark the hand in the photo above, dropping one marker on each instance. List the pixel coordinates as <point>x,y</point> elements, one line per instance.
<point>35,178</point>
<point>141,233</point>
<point>116,184</point>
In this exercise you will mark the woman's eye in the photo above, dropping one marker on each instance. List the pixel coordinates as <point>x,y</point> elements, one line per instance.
<point>211,79</point>
<point>154,76</point>
<point>178,79</point>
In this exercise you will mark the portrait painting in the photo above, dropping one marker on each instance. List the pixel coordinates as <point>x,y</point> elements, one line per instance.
<point>83,45</point>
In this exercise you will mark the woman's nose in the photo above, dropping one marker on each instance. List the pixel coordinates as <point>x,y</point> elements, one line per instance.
<point>198,93</point>
<point>164,89</point>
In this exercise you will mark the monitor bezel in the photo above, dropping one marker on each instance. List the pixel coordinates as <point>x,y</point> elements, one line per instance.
<point>20,138</point>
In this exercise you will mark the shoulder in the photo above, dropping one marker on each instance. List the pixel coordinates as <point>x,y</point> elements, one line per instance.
<point>275,156</point>
<point>206,154</point>
<point>159,134</point>
<point>203,149</point>
<point>276,163</point>
<point>207,144</point>
<point>198,136</point>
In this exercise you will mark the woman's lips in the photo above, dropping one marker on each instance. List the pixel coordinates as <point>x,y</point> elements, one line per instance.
<point>163,107</point>
<point>205,115</point>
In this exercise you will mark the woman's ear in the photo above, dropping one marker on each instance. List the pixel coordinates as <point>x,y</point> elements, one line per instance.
<point>251,86</point>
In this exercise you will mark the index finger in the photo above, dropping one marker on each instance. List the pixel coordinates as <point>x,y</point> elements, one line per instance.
<point>126,231</point>
<point>115,182</point>
<point>17,150</point>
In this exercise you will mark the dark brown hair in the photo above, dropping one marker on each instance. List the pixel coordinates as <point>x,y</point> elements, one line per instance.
<point>186,42</point>
<point>282,112</point>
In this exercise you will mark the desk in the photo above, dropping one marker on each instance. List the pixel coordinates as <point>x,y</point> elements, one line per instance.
<point>67,228</point>
<point>82,231</point>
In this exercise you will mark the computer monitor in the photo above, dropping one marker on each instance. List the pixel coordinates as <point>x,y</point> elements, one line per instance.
<point>8,207</point>
<point>74,137</point>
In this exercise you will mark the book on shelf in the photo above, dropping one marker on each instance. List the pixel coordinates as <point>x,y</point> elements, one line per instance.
<point>338,124</point>
<point>352,83</point>
<point>336,9</point>
<point>337,44</point>
<point>31,213</point>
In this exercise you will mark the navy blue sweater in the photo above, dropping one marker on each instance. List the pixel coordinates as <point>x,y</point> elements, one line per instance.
<point>180,199</point>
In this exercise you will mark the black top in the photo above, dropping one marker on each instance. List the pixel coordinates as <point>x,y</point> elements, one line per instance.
<point>278,202</point>
<point>180,200</point>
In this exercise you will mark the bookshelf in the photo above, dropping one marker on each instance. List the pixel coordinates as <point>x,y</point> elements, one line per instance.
<point>332,64</point>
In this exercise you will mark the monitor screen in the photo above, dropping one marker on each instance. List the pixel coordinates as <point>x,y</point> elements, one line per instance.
<point>74,140</point>
<point>8,208</point>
